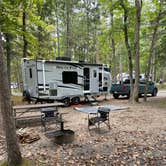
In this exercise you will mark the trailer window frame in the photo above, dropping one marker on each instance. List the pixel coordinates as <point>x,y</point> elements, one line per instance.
<point>94,73</point>
<point>70,77</point>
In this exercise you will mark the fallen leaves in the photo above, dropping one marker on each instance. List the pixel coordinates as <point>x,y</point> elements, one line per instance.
<point>134,139</point>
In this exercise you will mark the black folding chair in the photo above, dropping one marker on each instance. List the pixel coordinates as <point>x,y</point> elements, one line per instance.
<point>50,115</point>
<point>102,116</point>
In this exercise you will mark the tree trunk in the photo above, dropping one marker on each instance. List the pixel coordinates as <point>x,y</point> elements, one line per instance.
<point>25,43</point>
<point>114,59</point>
<point>13,152</point>
<point>151,50</point>
<point>19,78</point>
<point>57,4</point>
<point>8,52</point>
<point>68,33</point>
<point>113,47</point>
<point>58,37</point>
<point>39,37</point>
<point>86,57</point>
<point>138,5</point>
<point>154,69</point>
<point>125,30</point>
<point>39,34</point>
<point>96,58</point>
<point>95,36</point>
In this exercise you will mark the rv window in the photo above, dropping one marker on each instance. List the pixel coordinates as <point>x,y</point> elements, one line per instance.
<point>30,73</point>
<point>69,77</point>
<point>107,69</point>
<point>94,73</point>
<point>100,79</point>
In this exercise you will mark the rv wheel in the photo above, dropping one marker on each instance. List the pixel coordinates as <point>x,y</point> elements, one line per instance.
<point>66,102</point>
<point>75,100</point>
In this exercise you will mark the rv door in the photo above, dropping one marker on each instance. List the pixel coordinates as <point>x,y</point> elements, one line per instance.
<point>31,78</point>
<point>86,79</point>
<point>94,85</point>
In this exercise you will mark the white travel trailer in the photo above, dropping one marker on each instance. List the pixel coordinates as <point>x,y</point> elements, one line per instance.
<point>64,80</point>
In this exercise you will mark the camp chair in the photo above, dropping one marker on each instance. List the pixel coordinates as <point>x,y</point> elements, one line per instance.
<point>102,116</point>
<point>50,115</point>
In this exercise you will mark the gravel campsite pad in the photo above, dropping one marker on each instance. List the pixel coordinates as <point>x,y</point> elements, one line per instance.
<point>137,137</point>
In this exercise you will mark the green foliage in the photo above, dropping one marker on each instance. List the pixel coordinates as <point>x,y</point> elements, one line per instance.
<point>8,17</point>
<point>161,86</point>
<point>24,163</point>
<point>90,30</point>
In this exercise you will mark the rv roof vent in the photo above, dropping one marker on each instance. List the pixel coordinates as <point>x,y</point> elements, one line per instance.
<point>63,58</point>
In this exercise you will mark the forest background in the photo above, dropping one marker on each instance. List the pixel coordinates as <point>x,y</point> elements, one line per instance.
<point>127,35</point>
<point>85,30</point>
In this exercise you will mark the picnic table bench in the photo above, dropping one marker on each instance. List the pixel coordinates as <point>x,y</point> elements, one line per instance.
<point>47,113</point>
<point>25,111</point>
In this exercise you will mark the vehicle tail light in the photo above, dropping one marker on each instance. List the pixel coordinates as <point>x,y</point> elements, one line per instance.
<point>123,87</point>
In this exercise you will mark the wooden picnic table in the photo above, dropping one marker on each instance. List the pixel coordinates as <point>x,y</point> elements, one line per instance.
<point>36,106</point>
<point>19,110</point>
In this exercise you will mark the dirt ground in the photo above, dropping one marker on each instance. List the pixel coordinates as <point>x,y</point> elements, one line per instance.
<point>137,137</point>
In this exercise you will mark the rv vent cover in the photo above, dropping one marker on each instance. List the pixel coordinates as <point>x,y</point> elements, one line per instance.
<point>53,92</point>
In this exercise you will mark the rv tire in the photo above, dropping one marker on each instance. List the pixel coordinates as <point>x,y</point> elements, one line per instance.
<point>75,100</point>
<point>66,101</point>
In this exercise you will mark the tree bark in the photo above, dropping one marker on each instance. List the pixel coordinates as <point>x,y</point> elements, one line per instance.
<point>125,30</point>
<point>138,5</point>
<point>68,33</point>
<point>96,58</point>
<point>113,47</point>
<point>13,152</point>
<point>86,56</point>
<point>8,52</point>
<point>58,36</point>
<point>154,69</point>
<point>25,43</point>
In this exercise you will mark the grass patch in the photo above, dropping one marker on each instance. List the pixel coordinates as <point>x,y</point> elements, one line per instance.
<point>17,100</point>
<point>159,103</point>
<point>161,86</point>
<point>24,163</point>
